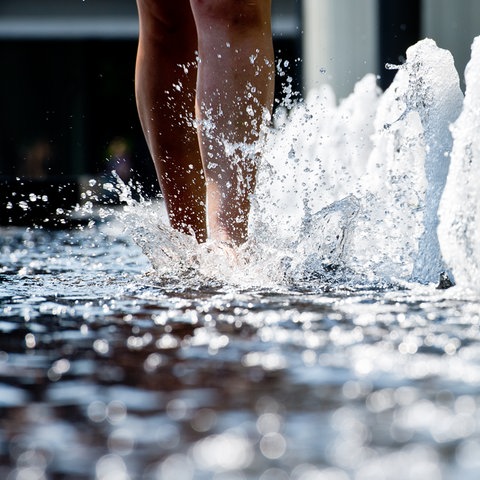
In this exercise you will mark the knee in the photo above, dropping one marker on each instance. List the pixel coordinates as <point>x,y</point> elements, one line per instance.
<point>231,14</point>
<point>163,20</point>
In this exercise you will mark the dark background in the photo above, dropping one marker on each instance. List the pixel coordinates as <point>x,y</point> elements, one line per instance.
<point>63,101</point>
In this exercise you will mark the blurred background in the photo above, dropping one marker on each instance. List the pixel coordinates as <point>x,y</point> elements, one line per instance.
<point>67,71</point>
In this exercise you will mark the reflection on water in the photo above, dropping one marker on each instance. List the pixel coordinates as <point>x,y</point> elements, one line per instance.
<point>107,374</point>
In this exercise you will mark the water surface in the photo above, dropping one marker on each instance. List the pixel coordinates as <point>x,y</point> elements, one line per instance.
<point>106,373</point>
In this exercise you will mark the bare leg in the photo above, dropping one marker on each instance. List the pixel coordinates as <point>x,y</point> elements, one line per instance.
<point>165,94</point>
<point>234,90</point>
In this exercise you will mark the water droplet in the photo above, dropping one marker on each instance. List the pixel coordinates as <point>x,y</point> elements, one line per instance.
<point>30,341</point>
<point>273,446</point>
<point>101,346</point>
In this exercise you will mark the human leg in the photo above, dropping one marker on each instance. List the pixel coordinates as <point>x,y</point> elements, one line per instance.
<point>234,91</point>
<point>165,80</point>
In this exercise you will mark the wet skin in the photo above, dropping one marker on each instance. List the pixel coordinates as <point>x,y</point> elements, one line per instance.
<point>227,90</point>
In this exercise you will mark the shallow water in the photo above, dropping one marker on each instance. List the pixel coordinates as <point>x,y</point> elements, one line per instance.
<point>105,373</point>
<point>320,350</point>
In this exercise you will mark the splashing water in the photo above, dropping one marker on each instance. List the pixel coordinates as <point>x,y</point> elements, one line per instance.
<point>386,155</point>
<point>106,372</point>
<point>351,193</point>
<point>460,216</point>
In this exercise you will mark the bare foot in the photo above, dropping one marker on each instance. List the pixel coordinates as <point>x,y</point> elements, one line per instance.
<point>225,249</point>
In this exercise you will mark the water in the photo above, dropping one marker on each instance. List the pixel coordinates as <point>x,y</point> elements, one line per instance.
<point>320,350</point>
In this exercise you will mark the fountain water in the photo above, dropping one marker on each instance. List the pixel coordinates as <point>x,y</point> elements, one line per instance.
<point>320,350</point>
<point>355,186</point>
<point>459,213</point>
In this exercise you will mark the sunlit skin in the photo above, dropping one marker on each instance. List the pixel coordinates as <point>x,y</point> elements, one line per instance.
<point>229,94</point>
